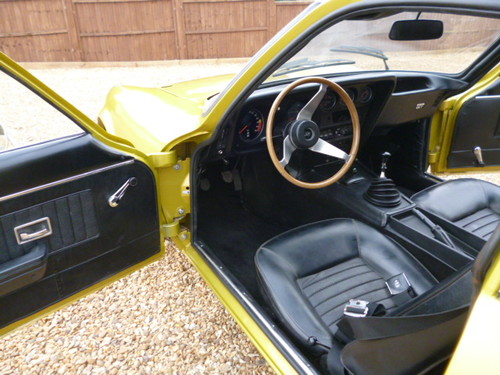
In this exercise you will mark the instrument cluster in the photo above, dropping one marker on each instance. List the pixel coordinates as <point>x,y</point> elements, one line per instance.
<point>331,115</point>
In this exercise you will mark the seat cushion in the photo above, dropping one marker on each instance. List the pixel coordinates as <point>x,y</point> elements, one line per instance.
<point>470,204</point>
<point>310,273</point>
<point>330,289</point>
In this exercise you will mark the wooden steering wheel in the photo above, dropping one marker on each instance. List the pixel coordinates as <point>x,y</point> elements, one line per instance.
<point>304,133</point>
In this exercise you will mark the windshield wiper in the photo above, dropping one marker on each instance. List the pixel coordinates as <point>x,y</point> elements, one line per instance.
<point>305,63</point>
<point>367,51</point>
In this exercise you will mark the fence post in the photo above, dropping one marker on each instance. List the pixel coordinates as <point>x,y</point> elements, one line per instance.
<point>73,30</point>
<point>271,19</point>
<point>180,33</point>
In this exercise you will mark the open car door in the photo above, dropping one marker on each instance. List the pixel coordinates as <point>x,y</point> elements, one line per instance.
<point>465,133</point>
<point>477,350</point>
<point>75,211</point>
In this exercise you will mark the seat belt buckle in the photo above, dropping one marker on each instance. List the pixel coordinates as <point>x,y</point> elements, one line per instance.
<point>400,288</point>
<point>356,308</point>
<point>398,284</point>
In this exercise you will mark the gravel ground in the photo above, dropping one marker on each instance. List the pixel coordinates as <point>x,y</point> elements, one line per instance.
<point>162,319</point>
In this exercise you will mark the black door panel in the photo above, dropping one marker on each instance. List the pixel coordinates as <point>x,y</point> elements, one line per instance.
<point>477,125</point>
<point>43,163</point>
<point>68,183</point>
<point>72,220</point>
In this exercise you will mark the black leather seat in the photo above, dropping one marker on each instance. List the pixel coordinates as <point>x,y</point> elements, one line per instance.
<point>309,274</point>
<point>470,204</point>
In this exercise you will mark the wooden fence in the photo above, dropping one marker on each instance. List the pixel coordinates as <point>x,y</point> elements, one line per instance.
<point>135,30</point>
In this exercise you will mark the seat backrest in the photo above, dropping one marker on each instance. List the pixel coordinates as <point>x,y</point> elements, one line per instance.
<point>484,260</point>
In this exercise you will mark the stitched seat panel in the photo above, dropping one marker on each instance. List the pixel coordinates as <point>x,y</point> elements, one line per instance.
<point>331,289</point>
<point>482,223</point>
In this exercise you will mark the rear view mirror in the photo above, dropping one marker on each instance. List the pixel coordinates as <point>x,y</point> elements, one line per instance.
<point>416,30</point>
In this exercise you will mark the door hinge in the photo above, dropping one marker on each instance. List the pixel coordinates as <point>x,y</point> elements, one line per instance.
<point>171,229</point>
<point>175,229</point>
<point>433,157</point>
<point>175,189</point>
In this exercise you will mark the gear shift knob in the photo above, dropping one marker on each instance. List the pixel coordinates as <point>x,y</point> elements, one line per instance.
<point>382,191</point>
<point>385,158</point>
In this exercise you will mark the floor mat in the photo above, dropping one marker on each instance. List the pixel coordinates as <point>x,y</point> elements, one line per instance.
<point>235,236</point>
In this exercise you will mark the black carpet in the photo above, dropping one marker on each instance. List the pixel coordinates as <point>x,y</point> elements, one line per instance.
<point>234,234</point>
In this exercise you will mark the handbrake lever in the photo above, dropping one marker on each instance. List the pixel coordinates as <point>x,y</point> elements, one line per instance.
<point>436,230</point>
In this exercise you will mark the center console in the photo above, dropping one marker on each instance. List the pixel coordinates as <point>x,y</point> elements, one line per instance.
<point>377,200</point>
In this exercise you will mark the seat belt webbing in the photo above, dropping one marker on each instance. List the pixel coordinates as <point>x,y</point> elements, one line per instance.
<point>378,327</point>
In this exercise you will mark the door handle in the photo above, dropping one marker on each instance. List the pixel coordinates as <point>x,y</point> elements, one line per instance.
<point>34,236</point>
<point>34,230</point>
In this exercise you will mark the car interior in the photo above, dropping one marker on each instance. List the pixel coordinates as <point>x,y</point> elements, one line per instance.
<point>345,272</point>
<point>315,205</point>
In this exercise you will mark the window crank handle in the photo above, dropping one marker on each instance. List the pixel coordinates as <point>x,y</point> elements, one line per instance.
<point>114,200</point>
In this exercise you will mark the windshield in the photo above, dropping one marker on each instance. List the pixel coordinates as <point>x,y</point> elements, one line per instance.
<point>365,45</point>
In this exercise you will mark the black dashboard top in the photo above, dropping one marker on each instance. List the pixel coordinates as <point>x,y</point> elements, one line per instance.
<point>382,99</point>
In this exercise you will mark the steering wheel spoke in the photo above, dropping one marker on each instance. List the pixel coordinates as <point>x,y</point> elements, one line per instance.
<point>307,112</point>
<point>288,149</point>
<point>323,147</point>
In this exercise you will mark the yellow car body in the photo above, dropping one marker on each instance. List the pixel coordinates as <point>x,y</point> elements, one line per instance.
<point>134,121</point>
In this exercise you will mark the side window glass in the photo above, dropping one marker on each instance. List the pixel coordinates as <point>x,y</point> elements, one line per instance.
<point>26,119</point>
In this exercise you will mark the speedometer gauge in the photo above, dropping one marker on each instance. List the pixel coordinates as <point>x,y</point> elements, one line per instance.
<point>251,126</point>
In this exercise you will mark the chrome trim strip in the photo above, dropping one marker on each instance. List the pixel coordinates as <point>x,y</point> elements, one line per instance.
<point>305,368</point>
<point>64,180</point>
<point>487,96</point>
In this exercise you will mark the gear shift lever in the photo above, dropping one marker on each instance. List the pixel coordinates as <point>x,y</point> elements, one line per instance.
<point>385,158</point>
<point>382,191</point>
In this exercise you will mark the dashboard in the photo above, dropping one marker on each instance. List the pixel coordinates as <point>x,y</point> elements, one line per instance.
<point>381,99</point>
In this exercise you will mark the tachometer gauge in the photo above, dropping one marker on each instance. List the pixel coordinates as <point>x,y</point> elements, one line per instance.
<point>251,126</point>
<point>365,95</point>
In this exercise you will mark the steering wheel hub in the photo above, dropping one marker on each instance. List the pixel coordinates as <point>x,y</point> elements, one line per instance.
<point>304,133</point>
